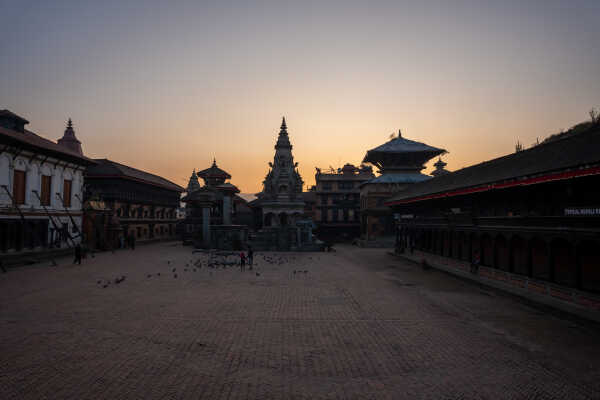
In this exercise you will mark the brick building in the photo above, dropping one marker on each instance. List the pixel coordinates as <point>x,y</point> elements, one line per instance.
<point>141,204</point>
<point>337,213</point>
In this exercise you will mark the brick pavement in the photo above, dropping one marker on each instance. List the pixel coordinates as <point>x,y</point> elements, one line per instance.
<point>359,324</point>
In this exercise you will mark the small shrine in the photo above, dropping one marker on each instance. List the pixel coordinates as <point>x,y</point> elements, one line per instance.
<point>214,210</point>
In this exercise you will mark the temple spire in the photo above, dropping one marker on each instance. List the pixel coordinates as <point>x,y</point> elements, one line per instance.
<point>283,129</point>
<point>69,140</point>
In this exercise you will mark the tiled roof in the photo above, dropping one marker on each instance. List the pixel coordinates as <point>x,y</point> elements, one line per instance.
<point>402,145</point>
<point>568,153</point>
<point>38,143</point>
<point>108,168</point>
<point>214,172</point>
<point>10,114</point>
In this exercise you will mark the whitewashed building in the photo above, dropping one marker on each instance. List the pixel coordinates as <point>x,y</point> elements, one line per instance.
<point>41,185</point>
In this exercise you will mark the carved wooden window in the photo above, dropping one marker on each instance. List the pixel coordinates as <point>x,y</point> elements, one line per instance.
<point>19,187</point>
<point>67,193</point>
<point>45,189</point>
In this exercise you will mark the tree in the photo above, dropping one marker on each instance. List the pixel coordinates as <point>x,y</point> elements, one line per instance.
<point>595,116</point>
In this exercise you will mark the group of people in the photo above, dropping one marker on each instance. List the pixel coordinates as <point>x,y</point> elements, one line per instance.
<point>250,259</point>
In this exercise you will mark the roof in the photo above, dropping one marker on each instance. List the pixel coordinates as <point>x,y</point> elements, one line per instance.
<point>34,142</point>
<point>229,187</point>
<point>399,178</point>
<point>403,145</point>
<point>10,114</point>
<point>108,168</point>
<point>214,172</point>
<point>525,167</point>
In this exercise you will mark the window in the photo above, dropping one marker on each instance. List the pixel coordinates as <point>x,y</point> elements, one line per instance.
<point>46,188</point>
<point>19,187</point>
<point>327,186</point>
<point>345,185</point>
<point>67,193</point>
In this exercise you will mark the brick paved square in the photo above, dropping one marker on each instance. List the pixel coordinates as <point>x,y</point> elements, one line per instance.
<point>359,324</point>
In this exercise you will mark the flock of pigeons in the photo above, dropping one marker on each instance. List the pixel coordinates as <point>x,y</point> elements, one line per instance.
<point>214,261</point>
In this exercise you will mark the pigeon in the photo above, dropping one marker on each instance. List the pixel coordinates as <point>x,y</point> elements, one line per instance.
<point>158,274</point>
<point>168,262</point>
<point>258,274</point>
<point>174,269</point>
<point>148,276</point>
<point>99,282</point>
<point>185,269</point>
<point>105,286</point>
<point>175,276</point>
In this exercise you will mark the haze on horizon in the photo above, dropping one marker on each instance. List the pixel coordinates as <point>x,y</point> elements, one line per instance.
<point>167,86</point>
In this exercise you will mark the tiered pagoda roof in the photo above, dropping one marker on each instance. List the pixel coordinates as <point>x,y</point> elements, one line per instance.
<point>214,175</point>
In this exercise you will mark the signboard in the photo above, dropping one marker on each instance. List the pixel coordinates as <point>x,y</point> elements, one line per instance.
<point>585,211</point>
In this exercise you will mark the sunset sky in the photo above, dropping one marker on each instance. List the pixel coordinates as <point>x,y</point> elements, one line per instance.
<point>166,86</point>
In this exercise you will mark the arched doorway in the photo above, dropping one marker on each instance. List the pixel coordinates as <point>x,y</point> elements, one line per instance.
<point>283,219</point>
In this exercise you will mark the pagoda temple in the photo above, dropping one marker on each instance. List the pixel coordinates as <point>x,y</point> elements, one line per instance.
<point>400,162</point>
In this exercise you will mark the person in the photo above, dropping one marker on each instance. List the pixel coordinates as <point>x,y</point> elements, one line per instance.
<point>132,241</point>
<point>242,261</point>
<point>250,258</point>
<point>77,254</point>
<point>121,242</point>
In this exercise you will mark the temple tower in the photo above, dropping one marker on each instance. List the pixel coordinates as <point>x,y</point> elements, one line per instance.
<point>281,198</point>
<point>69,140</point>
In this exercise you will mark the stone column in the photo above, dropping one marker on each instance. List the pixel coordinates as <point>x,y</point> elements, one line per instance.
<point>226,210</point>
<point>206,225</point>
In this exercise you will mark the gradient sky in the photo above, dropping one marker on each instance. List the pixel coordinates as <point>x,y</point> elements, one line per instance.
<point>165,86</point>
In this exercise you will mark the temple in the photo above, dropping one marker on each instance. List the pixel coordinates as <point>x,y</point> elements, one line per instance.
<point>216,217</point>
<point>400,162</point>
<point>279,208</point>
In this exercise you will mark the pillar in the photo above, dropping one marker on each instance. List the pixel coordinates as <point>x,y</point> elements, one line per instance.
<point>206,226</point>
<point>226,210</point>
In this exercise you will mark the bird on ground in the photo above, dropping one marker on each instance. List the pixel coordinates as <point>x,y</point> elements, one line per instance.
<point>148,276</point>
<point>174,269</point>
<point>105,286</point>
<point>258,274</point>
<point>168,262</point>
<point>175,276</point>
<point>99,282</point>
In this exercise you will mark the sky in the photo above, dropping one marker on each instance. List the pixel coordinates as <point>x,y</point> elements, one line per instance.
<point>165,86</point>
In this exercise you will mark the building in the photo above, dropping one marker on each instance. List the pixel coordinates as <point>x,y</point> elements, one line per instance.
<point>280,203</point>
<point>279,209</point>
<point>40,188</point>
<point>337,213</point>
<point>216,216</point>
<point>400,162</point>
<point>531,219</point>
<point>126,201</point>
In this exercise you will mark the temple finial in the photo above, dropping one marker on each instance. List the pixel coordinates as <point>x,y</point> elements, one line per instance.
<point>399,133</point>
<point>283,125</point>
<point>70,124</point>
<point>214,162</point>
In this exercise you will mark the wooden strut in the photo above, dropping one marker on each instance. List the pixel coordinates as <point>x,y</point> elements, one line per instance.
<point>56,227</point>
<point>23,217</point>
<point>70,217</point>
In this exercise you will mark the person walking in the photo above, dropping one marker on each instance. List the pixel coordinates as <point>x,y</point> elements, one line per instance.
<point>250,258</point>
<point>77,254</point>
<point>242,261</point>
<point>132,241</point>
